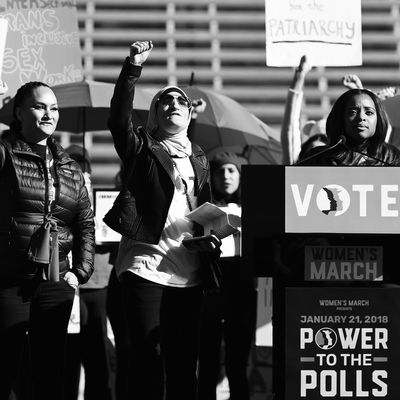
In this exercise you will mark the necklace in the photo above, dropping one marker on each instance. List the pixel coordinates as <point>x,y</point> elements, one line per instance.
<point>181,185</point>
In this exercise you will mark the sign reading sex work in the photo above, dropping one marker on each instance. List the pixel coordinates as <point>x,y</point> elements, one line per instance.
<point>327,32</point>
<point>42,42</point>
<point>342,343</point>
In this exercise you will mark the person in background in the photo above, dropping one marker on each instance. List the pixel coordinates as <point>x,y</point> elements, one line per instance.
<point>91,347</point>
<point>117,320</point>
<point>318,139</point>
<point>44,196</point>
<point>353,81</point>
<point>290,129</point>
<point>229,315</point>
<point>166,177</point>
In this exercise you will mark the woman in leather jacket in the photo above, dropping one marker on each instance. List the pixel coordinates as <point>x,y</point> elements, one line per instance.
<point>45,213</point>
<point>166,176</point>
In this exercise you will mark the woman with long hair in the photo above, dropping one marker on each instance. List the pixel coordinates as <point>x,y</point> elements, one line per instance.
<point>356,128</point>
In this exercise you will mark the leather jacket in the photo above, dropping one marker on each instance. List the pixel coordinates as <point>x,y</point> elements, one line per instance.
<point>149,173</point>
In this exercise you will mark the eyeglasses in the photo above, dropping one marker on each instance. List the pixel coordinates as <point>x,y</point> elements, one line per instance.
<point>167,100</point>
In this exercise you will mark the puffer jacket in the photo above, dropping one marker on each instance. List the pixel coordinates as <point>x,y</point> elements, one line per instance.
<point>23,180</point>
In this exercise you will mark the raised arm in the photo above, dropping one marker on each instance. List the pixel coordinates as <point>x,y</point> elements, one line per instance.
<point>120,121</point>
<point>290,130</point>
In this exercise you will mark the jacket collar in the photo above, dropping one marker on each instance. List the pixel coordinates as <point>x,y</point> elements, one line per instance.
<point>19,145</point>
<point>197,158</point>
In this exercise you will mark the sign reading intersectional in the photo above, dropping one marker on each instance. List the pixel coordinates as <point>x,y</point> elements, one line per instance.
<point>342,200</point>
<point>342,343</point>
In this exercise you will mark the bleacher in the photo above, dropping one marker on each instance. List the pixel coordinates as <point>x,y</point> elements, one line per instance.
<point>222,43</point>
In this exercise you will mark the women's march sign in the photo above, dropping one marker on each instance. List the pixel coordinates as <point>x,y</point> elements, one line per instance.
<point>327,32</point>
<point>342,343</point>
<point>42,42</point>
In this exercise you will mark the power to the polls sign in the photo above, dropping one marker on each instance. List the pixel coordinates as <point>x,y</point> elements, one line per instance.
<point>342,343</point>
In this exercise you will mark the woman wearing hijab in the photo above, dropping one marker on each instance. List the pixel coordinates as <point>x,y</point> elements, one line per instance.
<point>166,176</point>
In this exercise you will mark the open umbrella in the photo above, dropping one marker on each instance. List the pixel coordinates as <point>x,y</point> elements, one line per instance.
<point>84,105</point>
<point>227,125</point>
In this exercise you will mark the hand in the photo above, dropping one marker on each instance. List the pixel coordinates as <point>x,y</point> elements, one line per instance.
<point>207,244</point>
<point>71,279</point>
<point>352,81</point>
<point>139,51</point>
<point>3,87</point>
<point>199,106</point>
<point>387,92</point>
<point>304,66</point>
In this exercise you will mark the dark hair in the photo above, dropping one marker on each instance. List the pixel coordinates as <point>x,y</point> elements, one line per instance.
<point>22,94</point>
<point>309,144</point>
<point>215,164</point>
<point>335,120</point>
<point>335,125</point>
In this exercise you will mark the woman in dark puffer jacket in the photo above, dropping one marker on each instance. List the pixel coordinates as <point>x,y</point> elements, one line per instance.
<point>42,187</point>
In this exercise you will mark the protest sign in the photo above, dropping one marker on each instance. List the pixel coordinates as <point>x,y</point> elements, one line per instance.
<point>342,343</point>
<point>327,32</point>
<point>342,200</point>
<point>42,42</point>
<point>3,35</point>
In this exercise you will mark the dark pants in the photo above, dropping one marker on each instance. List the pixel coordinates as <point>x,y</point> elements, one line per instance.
<point>163,324</point>
<point>42,309</point>
<point>92,348</point>
<point>229,315</point>
<point>116,315</point>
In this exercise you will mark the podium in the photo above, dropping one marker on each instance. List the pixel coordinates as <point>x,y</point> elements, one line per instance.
<point>330,239</point>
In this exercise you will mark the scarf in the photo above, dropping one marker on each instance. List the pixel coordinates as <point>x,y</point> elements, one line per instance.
<point>178,144</point>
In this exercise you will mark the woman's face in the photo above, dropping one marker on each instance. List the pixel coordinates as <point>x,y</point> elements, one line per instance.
<point>173,112</point>
<point>38,115</point>
<point>360,118</point>
<point>226,179</point>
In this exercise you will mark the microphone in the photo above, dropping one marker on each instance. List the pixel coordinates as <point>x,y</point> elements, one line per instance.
<point>342,140</point>
<point>372,157</point>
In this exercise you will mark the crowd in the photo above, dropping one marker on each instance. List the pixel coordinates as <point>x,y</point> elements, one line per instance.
<point>170,305</point>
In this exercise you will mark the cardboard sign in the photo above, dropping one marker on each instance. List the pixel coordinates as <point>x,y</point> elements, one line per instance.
<point>3,35</point>
<point>342,343</point>
<point>42,42</point>
<point>327,32</point>
<point>103,201</point>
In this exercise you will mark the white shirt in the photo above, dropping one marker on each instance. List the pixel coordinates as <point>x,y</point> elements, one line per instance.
<point>168,262</point>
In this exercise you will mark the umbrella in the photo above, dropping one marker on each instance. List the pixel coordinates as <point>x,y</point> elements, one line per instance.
<point>84,105</point>
<point>226,125</point>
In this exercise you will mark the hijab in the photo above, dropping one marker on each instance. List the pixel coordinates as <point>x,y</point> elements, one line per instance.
<point>176,144</point>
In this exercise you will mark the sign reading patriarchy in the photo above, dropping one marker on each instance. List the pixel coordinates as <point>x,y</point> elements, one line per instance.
<point>342,343</point>
<point>42,42</point>
<point>327,32</point>
<point>342,200</point>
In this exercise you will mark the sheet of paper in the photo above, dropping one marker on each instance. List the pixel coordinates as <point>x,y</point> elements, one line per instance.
<point>214,218</point>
